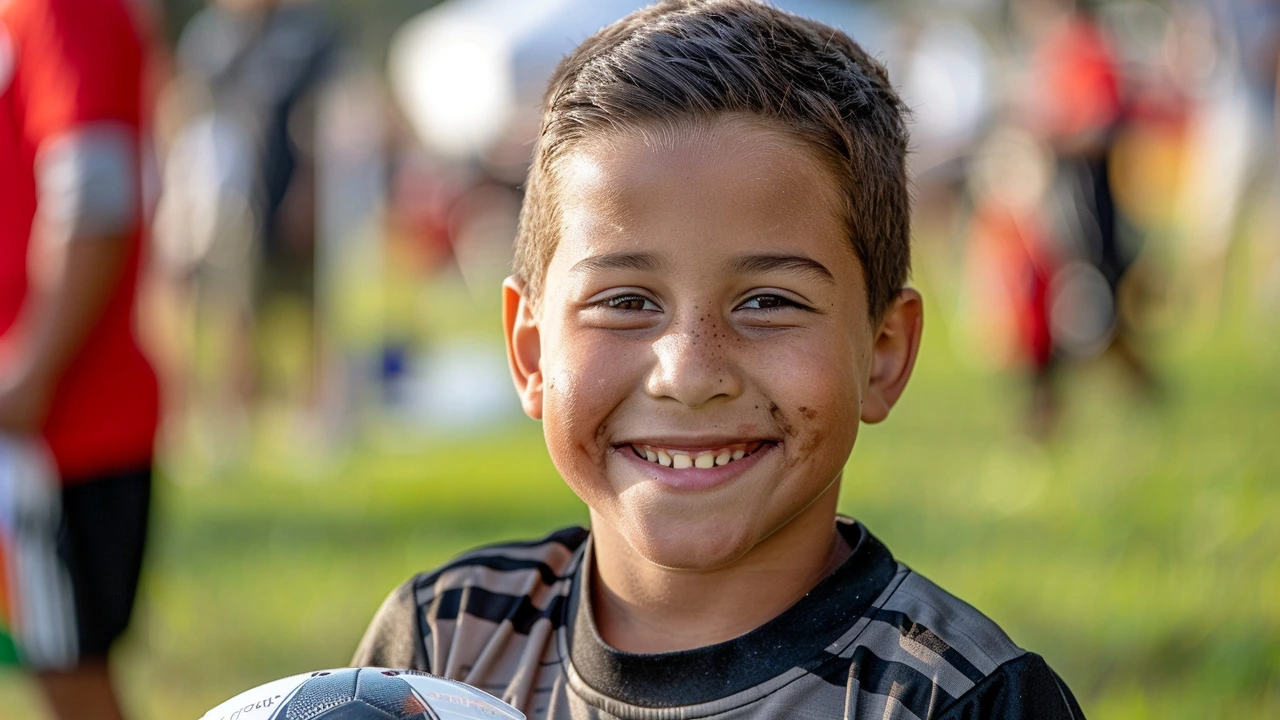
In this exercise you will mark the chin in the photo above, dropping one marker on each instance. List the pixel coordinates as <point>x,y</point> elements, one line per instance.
<point>683,543</point>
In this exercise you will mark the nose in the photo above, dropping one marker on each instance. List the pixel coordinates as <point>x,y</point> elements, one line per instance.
<point>694,363</point>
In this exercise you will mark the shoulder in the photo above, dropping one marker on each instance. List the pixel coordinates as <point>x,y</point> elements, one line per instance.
<point>78,53</point>
<point>518,583</point>
<point>942,658</point>
<point>510,568</point>
<point>84,17</point>
<point>930,618</point>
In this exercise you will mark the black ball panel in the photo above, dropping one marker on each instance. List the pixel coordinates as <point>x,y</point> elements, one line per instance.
<point>321,693</point>
<point>356,710</point>
<point>355,694</point>
<point>389,694</point>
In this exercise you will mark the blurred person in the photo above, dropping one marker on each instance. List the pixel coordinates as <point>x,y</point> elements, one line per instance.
<point>1011,262</point>
<point>71,373</point>
<point>238,220</point>
<point>1077,106</point>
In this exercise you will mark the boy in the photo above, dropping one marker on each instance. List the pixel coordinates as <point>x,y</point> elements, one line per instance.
<point>709,297</point>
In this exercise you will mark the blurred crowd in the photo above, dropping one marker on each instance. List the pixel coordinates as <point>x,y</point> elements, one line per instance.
<point>329,212</point>
<point>1084,173</point>
<point>1123,152</point>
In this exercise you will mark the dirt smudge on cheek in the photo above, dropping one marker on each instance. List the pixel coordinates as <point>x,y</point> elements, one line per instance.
<point>815,431</point>
<point>781,420</point>
<point>806,434</point>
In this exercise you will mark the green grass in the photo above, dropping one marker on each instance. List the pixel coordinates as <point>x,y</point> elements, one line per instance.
<point>1138,552</point>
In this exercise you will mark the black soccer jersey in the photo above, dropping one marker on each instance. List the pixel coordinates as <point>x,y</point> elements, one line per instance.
<point>872,640</point>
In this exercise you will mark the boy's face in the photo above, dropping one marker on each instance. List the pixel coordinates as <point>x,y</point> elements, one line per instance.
<point>704,309</point>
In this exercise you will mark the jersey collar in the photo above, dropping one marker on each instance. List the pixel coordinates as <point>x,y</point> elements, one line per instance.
<point>794,639</point>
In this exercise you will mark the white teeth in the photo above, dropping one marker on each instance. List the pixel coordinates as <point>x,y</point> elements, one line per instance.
<point>680,459</point>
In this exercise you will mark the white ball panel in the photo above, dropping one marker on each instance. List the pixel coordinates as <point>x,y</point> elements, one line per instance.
<point>449,699</point>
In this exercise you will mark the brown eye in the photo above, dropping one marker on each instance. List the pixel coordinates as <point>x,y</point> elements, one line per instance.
<point>631,302</point>
<point>769,302</point>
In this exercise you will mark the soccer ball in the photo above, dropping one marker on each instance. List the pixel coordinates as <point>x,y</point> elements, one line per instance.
<point>364,694</point>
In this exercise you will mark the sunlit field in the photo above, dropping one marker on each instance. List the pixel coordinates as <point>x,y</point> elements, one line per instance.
<point>1139,552</point>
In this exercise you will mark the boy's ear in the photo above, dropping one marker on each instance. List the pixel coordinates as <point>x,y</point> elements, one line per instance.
<point>524,345</point>
<point>893,355</point>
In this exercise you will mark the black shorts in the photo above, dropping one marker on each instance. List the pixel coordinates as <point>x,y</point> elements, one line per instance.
<point>101,541</point>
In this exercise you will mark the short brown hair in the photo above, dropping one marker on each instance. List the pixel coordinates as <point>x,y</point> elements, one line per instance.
<point>694,60</point>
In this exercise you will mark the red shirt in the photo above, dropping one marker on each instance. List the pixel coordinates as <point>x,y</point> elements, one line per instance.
<point>1078,80</point>
<point>65,64</point>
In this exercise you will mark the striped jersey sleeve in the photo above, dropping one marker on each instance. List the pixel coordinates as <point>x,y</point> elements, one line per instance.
<point>873,640</point>
<point>487,618</point>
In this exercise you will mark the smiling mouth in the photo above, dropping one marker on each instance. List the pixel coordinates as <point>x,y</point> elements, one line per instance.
<point>681,459</point>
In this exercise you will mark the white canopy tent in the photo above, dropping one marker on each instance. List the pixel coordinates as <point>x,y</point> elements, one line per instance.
<point>464,68</point>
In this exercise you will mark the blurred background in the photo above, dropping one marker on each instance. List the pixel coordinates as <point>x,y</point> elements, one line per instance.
<point>1088,452</point>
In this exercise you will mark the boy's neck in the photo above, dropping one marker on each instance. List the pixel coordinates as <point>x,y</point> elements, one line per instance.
<point>640,607</point>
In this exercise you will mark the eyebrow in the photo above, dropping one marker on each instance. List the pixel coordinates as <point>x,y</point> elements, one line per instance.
<point>648,262</point>
<point>798,264</point>
<point>619,261</point>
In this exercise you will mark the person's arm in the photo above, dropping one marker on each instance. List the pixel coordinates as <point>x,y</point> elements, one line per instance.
<point>78,76</point>
<point>87,184</point>
<point>60,312</point>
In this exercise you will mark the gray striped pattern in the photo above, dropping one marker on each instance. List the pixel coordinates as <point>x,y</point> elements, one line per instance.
<point>497,619</point>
